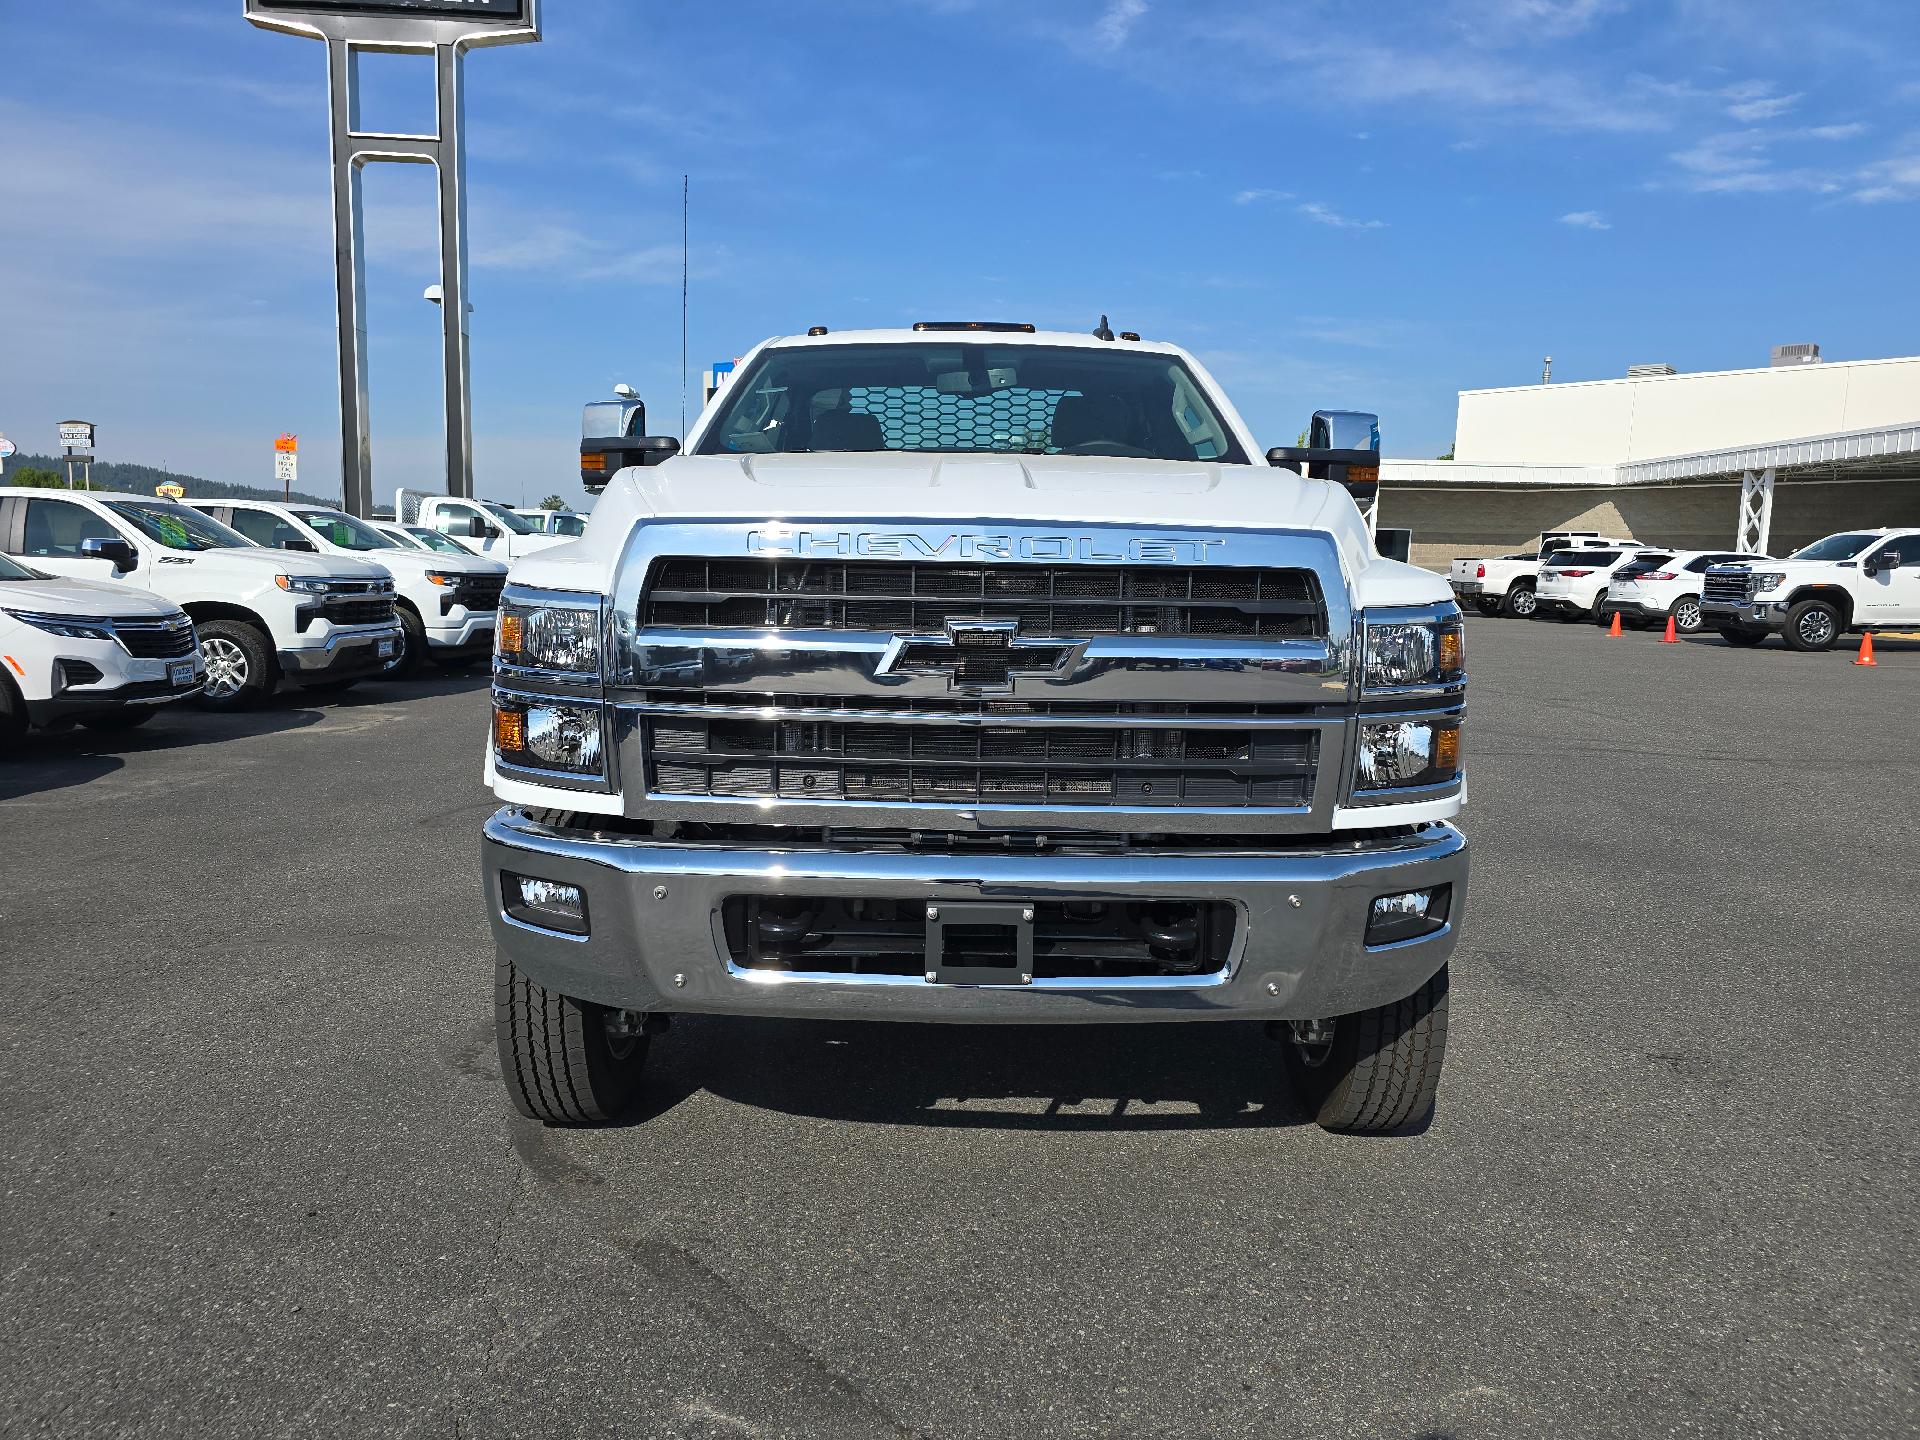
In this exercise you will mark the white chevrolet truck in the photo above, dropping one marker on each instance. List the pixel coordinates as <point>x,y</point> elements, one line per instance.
<point>1855,581</point>
<point>973,674</point>
<point>262,615</point>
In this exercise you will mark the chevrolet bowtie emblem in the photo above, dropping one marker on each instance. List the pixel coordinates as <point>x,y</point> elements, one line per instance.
<point>979,657</point>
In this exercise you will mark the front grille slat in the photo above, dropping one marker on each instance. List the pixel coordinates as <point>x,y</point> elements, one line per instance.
<point>355,611</point>
<point>906,763</point>
<point>161,641</point>
<point>1079,601</point>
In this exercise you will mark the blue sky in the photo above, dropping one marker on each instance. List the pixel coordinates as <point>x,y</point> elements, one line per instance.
<point>1361,206</point>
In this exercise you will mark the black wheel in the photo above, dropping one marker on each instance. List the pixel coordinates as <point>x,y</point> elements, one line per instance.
<point>1687,618</point>
<point>560,1062</point>
<point>1599,612</point>
<point>1744,639</point>
<point>132,717</point>
<point>1812,625</point>
<point>13,713</point>
<point>240,664</point>
<point>1487,607</point>
<point>1521,602</point>
<point>412,649</point>
<point>1381,1068</point>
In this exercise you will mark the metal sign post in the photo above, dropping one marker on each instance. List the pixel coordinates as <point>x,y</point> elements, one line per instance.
<point>286,463</point>
<point>445,29</point>
<point>76,438</point>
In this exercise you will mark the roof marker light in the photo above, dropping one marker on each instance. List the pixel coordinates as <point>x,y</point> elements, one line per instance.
<point>1009,327</point>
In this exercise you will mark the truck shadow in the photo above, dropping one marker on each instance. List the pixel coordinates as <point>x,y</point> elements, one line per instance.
<point>57,760</point>
<point>1212,1076</point>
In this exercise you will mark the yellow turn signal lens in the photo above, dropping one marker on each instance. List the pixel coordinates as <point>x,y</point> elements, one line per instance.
<point>509,730</point>
<point>593,460</point>
<point>512,634</point>
<point>1453,652</point>
<point>1446,749</point>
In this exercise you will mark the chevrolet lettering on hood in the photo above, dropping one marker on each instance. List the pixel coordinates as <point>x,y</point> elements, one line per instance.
<point>969,545</point>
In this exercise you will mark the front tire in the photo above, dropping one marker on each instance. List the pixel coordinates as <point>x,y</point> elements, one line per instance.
<point>560,1063</point>
<point>1812,625</point>
<point>1382,1069</point>
<point>413,647</point>
<point>1742,639</point>
<point>240,665</point>
<point>1521,602</point>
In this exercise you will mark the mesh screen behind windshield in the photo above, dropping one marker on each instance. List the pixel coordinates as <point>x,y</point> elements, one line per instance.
<point>923,418</point>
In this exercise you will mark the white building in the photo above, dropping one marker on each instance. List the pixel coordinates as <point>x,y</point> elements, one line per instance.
<point>1764,459</point>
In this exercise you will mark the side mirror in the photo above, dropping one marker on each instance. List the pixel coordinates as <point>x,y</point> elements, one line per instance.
<point>293,542</point>
<point>1342,446</point>
<point>1884,563</point>
<point>122,554</point>
<point>478,529</point>
<point>601,459</point>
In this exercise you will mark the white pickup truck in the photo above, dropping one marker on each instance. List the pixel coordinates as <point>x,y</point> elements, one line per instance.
<point>974,674</point>
<point>445,605</point>
<point>1855,581</point>
<point>1506,584</point>
<point>491,528</point>
<point>262,615</point>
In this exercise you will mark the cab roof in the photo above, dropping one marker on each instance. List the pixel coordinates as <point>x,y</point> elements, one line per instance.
<point>906,336</point>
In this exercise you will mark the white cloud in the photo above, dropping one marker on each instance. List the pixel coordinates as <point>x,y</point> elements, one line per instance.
<point>1116,22</point>
<point>1585,220</point>
<point>1327,215</point>
<point>1765,107</point>
<point>1261,197</point>
<point>1741,162</point>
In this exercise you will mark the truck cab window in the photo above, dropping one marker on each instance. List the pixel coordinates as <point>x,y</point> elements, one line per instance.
<point>56,528</point>
<point>264,528</point>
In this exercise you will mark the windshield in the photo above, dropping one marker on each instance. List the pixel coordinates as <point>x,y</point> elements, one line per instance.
<point>11,569</point>
<point>507,518</point>
<point>949,397</point>
<point>1835,547</point>
<point>345,531</point>
<point>566,525</point>
<point>1592,559</point>
<point>434,540</point>
<point>177,527</point>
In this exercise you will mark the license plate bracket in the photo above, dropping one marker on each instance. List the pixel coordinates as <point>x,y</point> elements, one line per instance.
<point>384,649</point>
<point>180,673</point>
<point>974,942</point>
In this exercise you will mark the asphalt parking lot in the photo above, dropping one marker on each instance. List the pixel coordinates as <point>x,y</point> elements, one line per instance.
<point>261,1178</point>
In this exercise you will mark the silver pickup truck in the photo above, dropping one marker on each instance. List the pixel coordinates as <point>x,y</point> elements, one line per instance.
<point>972,674</point>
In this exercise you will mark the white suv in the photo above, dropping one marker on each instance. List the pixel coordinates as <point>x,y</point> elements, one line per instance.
<point>320,621</point>
<point>445,605</point>
<point>104,655</point>
<point>1573,583</point>
<point>1651,590</point>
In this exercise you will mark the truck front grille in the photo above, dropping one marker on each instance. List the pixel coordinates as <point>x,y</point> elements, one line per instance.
<point>1736,589</point>
<point>906,597</point>
<point>479,592</point>
<point>355,610</point>
<point>1079,939</point>
<point>909,763</point>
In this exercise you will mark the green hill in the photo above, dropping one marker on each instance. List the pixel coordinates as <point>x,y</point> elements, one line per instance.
<point>141,480</point>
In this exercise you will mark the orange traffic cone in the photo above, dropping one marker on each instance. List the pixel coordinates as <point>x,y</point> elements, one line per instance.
<point>1672,637</point>
<point>1865,657</point>
<point>1614,629</point>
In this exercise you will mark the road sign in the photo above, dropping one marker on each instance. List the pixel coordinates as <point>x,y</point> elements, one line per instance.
<point>286,466</point>
<point>76,434</point>
<point>288,443</point>
<point>171,491</point>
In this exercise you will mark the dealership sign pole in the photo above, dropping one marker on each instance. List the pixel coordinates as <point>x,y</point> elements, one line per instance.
<point>446,30</point>
<point>76,438</point>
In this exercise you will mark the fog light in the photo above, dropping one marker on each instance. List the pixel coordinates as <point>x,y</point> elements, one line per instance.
<point>1408,915</point>
<point>546,903</point>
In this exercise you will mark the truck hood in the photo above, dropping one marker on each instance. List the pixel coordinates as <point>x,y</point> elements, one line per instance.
<point>255,561</point>
<point>419,562</point>
<point>1040,489</point>
<point>84,597</point>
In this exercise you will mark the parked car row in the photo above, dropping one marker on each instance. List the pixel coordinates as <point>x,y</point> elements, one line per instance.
<point>1853,581</point>
<point>112,605</point>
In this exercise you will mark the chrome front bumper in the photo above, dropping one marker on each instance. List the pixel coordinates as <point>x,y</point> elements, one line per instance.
<point>339,653</point>
<point>657,944</point>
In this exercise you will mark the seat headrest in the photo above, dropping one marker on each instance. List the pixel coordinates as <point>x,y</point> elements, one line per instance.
<point>1080,419</point>
<point>845,430</point>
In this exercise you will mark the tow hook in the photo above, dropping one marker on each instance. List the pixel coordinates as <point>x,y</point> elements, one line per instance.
<point>1312,1038</point>
<point>632,1024</point>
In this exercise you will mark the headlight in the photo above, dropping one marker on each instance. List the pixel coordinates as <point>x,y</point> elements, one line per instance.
<point>1426,652</point>
<point>1407,752</point>
<point>550,637</point>
<point>73,627</point>
<point>304,584</point>
<point>1769,580</point>
<point>551,737</point>
<point>442,577</point>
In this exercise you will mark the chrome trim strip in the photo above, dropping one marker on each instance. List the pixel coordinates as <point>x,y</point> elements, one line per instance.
<point>1065,982</point>
<point>969,819</point>
<point>996,722</point>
